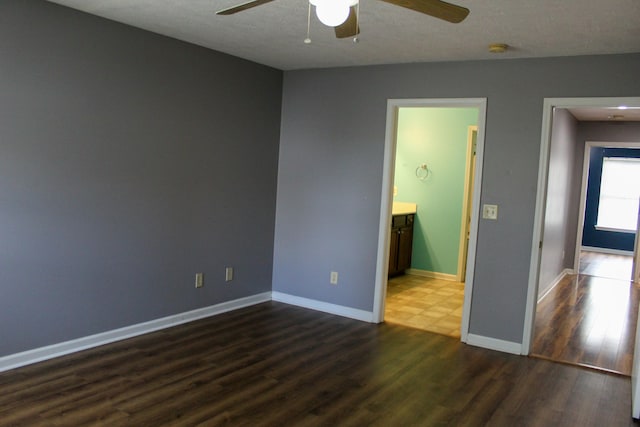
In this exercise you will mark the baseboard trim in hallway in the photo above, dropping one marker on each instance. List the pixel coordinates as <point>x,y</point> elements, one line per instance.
<point>555,282</point>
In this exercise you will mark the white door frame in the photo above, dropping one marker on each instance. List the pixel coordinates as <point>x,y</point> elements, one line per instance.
<point>541,196</point>
<point>635,270</point>
<point>583,190</point>
<point>382,265</point>
<point>465,224</point>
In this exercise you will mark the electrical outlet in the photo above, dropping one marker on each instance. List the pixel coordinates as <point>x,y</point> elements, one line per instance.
<point>199,280</point>
<point>228,274</point>
<point>333,279</point>
<point>490,211</point>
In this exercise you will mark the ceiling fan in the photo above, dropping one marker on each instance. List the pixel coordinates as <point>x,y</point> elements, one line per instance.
<point>343,14</point>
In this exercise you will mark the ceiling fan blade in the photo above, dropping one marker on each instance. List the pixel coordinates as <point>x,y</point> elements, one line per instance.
<point>436,8</point>
<point>350,27</point>
<point>241,7</point>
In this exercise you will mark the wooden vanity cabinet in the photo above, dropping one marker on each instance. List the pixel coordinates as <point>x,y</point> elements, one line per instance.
<point>401,243</point>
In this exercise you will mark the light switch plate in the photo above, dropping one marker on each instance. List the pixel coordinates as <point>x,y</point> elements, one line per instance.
<point>490,212</point>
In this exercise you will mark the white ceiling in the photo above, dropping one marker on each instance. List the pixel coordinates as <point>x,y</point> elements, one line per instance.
<point>613,114</point>
<point>273,34</point>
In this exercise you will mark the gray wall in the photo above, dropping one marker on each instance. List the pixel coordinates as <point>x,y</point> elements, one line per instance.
<point>608,132</point>
<point>128,162</point>
<point>560,215</point>
<point>331,159</point>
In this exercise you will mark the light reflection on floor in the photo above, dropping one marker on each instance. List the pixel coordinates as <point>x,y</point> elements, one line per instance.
<point>606,265</point>
<point>607,313</point>
<point>591,320</point>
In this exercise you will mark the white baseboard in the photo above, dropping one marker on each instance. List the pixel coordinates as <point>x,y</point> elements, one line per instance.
<point>494,344</point>
<point>555,281</point>
<point>49,352</point>
<point>606,250</point>
<point>340,310</point>
<point>60,349</point>
<point>432,274</point>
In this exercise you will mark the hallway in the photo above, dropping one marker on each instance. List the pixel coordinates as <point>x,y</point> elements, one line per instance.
<point>590,320</point>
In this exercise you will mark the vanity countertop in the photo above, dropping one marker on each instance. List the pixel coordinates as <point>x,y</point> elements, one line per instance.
<point>403,208</point>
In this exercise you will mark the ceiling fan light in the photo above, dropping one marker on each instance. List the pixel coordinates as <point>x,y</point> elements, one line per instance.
<point>333,13</point>
<point>321,2</point>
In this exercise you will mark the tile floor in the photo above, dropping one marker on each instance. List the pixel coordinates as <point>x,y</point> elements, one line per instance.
<point>432,305</point>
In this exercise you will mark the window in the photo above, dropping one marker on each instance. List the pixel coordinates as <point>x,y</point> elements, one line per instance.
<point>619,193</point>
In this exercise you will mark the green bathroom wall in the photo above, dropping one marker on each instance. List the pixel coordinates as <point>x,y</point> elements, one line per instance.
<point>437,137</point>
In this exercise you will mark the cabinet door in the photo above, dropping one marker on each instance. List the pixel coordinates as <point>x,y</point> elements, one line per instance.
<point>393,252</point>
<point>405,242</point>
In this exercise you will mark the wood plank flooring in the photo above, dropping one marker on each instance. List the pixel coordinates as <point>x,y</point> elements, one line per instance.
<point>588,320</point>
<point>606,265</point>
<point>278,365</point>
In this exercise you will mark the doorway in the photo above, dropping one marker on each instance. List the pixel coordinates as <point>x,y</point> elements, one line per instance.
<point>609,213</point>
<point>609,217</point>
<point>433,178</point>
<point>588,316</point>
<point>432,171</point>
<point>571,286</point>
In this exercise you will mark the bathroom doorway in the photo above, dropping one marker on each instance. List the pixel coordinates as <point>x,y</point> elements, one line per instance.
<point>434,166</point>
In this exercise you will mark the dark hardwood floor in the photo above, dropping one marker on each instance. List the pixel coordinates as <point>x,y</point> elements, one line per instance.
<point>278,365</point>
<point>590,319</point>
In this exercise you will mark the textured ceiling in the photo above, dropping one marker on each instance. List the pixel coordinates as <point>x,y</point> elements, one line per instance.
<point>273,34</point>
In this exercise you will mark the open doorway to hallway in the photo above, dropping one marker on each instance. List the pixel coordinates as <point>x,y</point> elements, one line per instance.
<point>585,304</point>
<point>431,217</point>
